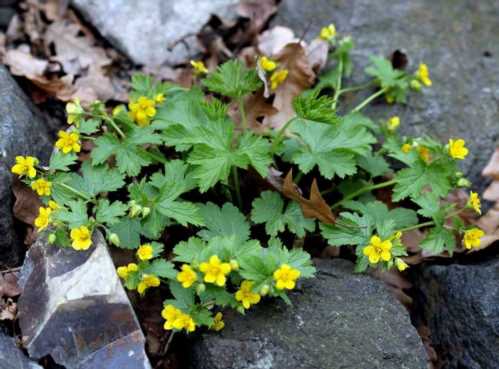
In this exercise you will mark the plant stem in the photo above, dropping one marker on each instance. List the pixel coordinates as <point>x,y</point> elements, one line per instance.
<point>244,121</point>
<point>363,190</point>
<point>156,157</point>
<point>112,124</point>
<point>368,100</point>
<point>73,190</point>
<point>337,90</point>
<point>235,177</point>
<point>279,135</point>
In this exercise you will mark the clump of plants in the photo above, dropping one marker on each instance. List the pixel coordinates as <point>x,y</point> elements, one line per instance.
<point>180,158</point>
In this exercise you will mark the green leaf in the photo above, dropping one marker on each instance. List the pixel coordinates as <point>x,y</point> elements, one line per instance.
<point>349,229</point>
<point>109,213</point>
<point>384,72</point>
<point>100,179</point>
<point>90,126</point>
<point>184,296</point>
<point>375,165</point>
<point>161,268</point>
<point>439,239</point>
<point>128,230</point>
<point>269,209</point>
<point>75,216</point>
<point>183,212</point>
<point>332,148</point>
<point>188,251</point>
<point>412,181</point>
<point>312,108</point>
<point>62,162</point>
<point>219,295</point>
<point>256,151</point>
<point>233,79</point>
<point>225,221</point>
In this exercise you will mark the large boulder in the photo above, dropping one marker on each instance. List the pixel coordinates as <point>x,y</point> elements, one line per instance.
<point>74,309</point>
<point>337,320</point>
<point>23,131</point>
<point>11,357</point>
<point>461,307</point>
<point>458,39</point>
<point>154,32</point>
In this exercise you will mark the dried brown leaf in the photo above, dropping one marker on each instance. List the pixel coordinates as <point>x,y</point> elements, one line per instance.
<point>317,53</point>
<point>256,108</point>
<point>258,12</point>
<point>22,63</point>
<point>27,203</point>
<point>492,168</point>
<point>8,285</point>
<point>315,207</point>
<point>272,41</point>
<point>300,77</point>
<point>73,51</point>
<point>8,309</point>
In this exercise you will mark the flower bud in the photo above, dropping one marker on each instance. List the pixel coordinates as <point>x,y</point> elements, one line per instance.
<point>135,209</point>
<point>463,182</point>
<point>264,291</point>
<point>51,238</point>
<point>459,174</point>
<point>415,85</point>
<point>234,265</point>
<point>145,211</point>
<point>200,288</point>
<point>114,239</point>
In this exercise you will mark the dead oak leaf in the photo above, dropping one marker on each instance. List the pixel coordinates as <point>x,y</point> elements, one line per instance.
<point>315,206</point>
<point>22,63</point>
<point>300,77</point>
<point>27,203</point>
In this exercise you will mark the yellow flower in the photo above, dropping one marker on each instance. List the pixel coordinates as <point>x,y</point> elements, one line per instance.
<point>425,154</point>
<point>277,78</point>
<point>25,166</point>
<point>142,110</point>
<point>68,141</point>
<point>424,75</point>
<point>401,264</point>
<point>406,148</point>
<point>53,205</point>
<point>327,33</point>
<point>74,112</point>
<point>124,271</point>
<point>159,99</point>
<point>393,123</point>
<point>82,238</point>
<point>457,149</point>
<point>378,250</point>
<point>148,280</point>
<point>187,276</point>
<point>176,319</point>
<point>42,187</point>
<point>218,323</point>
<point>472,238</point>
<point>267,64</point>
<point>43,219</point>
<point>286,277</point>
<point>215,271</point>
<point>474,202</point>
<point>246,296</point>
<point>145,252</point>
<point>199,67</point>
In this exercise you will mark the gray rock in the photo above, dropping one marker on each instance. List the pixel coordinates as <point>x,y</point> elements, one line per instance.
<point>23,131</point>
<point>11,357</point>
<point>75,309</point>
<point>154,32</point>
<point>458,39</point>
<point>461,307</point>
<point>338,320</point>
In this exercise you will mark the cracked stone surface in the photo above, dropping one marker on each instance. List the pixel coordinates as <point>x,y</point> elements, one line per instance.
<point>156,31</point>
<point>337,320</point>
<point>75,309</point>
<point>458,39</point>
<point>23,131</point>
<point>460,305</point>
<point>11,357</point>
